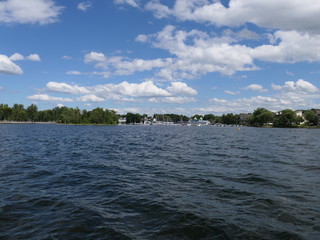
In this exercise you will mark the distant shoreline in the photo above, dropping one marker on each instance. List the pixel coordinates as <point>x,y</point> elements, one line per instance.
<point>25,122</point>
<point>71,124</point>
<point>92,124</point>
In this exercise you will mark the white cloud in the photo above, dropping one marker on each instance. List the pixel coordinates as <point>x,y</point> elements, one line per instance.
<point>180,88</point>
<point>16,57</point>
<point>243,34</point>
<point>241,105</point>
<point>31,11</point>
<point>84,6</point>
<point>231,92</point>
<point>94,57</point>
<point>66,57</point>
<point>289,73</point>
<point>262,13</point>
<point>178,100</point>
<point>8,67</point>
<point>66,88</point>
<point>132,3</point>
<point>255,87</point>
<point>293,47</point>
<point>122,65</point>
<point>34,57</point>
<point>142,38</point>
<point>144,89</point>
<point>294,95</point>
<point>176,92</point>
<point>196,53</point>
<point>90,98</point>
<point>300,86</point>
<point>202,54</point>
<point>73,73</point>
<point>46,97</point>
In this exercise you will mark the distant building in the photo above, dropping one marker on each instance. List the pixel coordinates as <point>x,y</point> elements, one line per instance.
<point>243,118</point>
<point>198,122</point>
<point>300,113</point>
<point>122,120</point>
<point>318,115</point>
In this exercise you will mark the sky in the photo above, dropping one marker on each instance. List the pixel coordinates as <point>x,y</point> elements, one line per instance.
<point>161,56</point>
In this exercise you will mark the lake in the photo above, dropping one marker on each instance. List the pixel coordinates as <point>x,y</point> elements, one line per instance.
<point>158,182</point>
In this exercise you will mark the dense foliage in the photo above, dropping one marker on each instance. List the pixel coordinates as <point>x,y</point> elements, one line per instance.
<point>259,118</point>
<point>58,114</point>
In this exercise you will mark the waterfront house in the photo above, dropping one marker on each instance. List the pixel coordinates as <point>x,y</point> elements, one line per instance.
<point>300,113</point>
<point>318,115</point>
<point>122,120</point>
<point>243,118</point>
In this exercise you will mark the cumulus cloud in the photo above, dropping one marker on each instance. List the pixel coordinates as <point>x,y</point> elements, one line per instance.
<point>293,47</point>
<point>8,67</point>
<point>262,13</point>
<point>176,100</point>
<point>66,88</point>
<point>196,53</point>
<point>46,97</point>
<point>176,92</point>
<point>94,57</point>
<point>16,57</point>
<point>66,57</point>
<point>178,88</point>
<point>73,73</point>
<point>300,86</point>
<point>295,95</point>
<point>141,38</point>
<point>255,87</point>
<point>132,3</point>
<point>242,34</point>
<point>144,89</point>
<point>90,98</point>
<point>32,57</point>
<point>123,66</point>
<point>243,104</point>
<point>31,11</point>
<point>84,6</point>
<point>231,92</point>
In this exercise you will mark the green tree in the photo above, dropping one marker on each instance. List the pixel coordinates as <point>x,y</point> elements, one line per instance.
<point>230,118</point>
<point>311,117</point>
<point>5,112</point>
<point>287,118</point>
<point>32,112</point>
<point>261,117</point>
<point>209,117</point>
<point>197,116</point>
<point>133,118</point>
<point>19,113</point>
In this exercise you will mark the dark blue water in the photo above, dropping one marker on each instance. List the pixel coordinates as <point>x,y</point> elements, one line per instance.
<point>149,182</point>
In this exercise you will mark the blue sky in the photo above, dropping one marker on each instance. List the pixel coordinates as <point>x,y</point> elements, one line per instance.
<point>160,56</point>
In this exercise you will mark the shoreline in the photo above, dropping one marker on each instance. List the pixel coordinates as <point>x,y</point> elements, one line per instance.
<point>93,124</point>
<point>25,122</point>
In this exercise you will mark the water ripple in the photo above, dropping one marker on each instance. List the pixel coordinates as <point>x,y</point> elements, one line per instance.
<point>149,182</point>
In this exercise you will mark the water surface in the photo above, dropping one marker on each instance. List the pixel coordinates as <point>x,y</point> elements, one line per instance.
<point>158,182</point>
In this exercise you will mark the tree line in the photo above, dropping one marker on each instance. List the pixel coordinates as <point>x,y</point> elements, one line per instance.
<point>58,114</point>
<point>259,118</point>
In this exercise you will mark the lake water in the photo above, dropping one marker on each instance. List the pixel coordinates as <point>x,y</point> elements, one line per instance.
<point>158,182</point>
